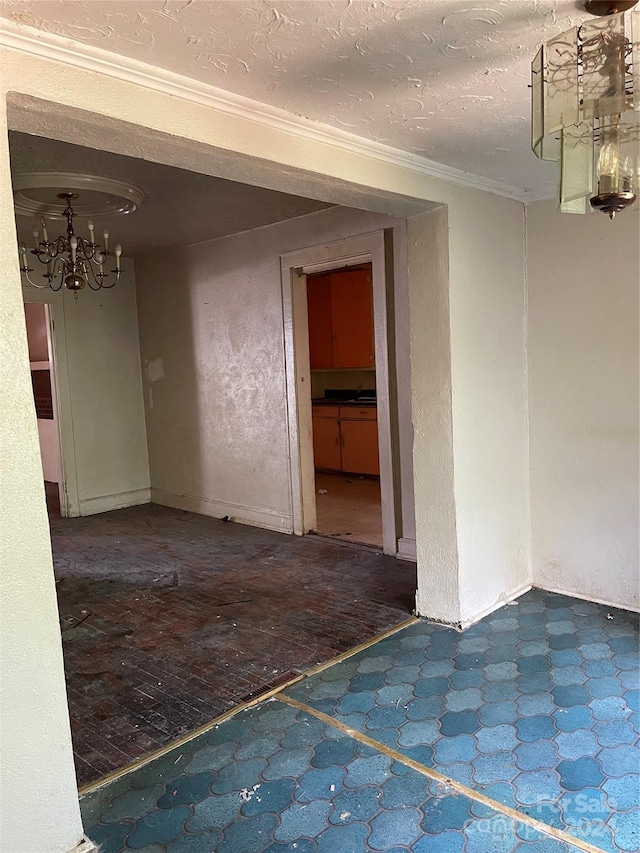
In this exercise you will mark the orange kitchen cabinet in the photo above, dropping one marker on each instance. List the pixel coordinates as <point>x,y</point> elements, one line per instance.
<point>340,307</point>
<point>319,309</point>
<point>352,318</point>
<point>326,441</point>
<point>360,446</point>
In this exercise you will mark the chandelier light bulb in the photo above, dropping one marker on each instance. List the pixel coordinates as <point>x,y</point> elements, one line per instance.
<point>45,236</point>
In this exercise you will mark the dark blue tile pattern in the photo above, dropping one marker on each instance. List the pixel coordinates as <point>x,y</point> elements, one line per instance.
<point>534,706</point>
<point>277,780</point>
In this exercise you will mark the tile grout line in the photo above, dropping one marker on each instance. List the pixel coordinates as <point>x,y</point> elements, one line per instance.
<point>90,787</point>
<point>508,811</point>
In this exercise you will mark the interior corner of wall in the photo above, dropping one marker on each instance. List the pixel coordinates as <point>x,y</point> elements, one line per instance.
<point>439,599</point>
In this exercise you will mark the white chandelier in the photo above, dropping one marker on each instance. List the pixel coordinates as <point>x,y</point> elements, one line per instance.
<point>586,109</point>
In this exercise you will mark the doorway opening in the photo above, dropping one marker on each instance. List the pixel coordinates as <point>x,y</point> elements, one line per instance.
<point>39,324</point>
<point>344,404</point>
<point>337,301</point>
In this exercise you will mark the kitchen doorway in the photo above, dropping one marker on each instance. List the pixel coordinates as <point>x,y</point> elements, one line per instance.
<point>342,459</point>
<point>344,405</point>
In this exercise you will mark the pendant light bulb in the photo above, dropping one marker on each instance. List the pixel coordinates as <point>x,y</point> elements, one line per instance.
<point>608,165</point>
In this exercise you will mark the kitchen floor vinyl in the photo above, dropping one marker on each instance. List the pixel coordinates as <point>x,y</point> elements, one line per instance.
<point>348,508</point>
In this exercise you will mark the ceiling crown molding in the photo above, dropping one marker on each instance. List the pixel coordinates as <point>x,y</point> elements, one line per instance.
<point>51,46</point>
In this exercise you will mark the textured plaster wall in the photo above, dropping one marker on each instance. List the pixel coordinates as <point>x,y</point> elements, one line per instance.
<point>104,437</point>
<point>583,281</point>
<point>211,331</point>
<point>466,272</point>
<point>438,592</point>
<point>487,303</point>
<point>38,798</point>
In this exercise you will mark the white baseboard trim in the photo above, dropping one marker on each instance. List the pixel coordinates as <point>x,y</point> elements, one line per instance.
<point>589,598</point>
<point>85,845</point>
<point>505,598</point>
<point>105,503</point>
<point>254,516</point>
<point>407,550</point>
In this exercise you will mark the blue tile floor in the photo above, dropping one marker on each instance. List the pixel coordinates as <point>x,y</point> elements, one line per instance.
<point>535,708</point>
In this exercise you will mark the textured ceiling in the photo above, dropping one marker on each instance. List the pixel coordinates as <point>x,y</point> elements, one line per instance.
<point>180,208</point>
<point>445,79</point>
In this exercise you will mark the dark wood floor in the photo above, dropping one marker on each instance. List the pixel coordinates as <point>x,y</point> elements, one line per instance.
<point>170,618</point>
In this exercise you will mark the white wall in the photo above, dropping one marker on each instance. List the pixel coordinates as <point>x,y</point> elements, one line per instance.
<point>101,409</point>
<point>38,797</point>
<point>469,399</point>
<point>583,281</point>
<point>212,343</point>
<point>211,332</point>
<point>438,593</point>
<point>487,304</point>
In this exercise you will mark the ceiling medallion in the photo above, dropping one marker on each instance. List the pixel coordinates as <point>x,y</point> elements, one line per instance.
<point>34,194</point>
<point>72,261</point>
<point>586,109</point>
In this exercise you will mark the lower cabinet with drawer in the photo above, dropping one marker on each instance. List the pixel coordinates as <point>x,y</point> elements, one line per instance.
<point>345,438</point>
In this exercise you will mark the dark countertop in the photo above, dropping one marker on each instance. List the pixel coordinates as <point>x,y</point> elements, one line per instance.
<point>324,401</point>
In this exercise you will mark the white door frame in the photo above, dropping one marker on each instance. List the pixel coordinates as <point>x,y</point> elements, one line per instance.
<point>53,302</point>
<point>295,266</point>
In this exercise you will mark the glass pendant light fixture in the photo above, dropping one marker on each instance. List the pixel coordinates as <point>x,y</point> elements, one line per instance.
<point>586,109</point>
